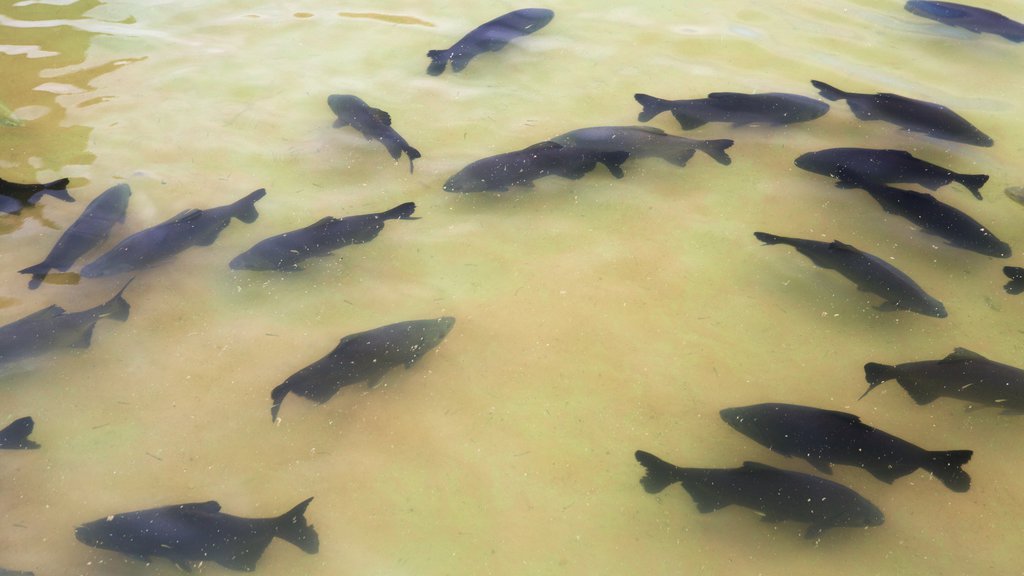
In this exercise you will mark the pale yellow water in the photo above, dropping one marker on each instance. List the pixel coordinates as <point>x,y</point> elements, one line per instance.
<point>595,317</point>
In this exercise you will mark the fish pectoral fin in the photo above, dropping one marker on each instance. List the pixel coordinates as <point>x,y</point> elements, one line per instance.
<point>85,339</point>
<point>814,531</point>
<point>821,465</point>
<point>339,123</point>
<point>375,378</point>
<point>245,559</point>
<point>890,474</point>
<point>887,306</point>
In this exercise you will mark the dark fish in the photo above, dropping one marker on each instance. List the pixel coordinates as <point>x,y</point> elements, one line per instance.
<point>777,494</point>
<point>963,375</point>
<point>498,173</point>
<point>974,19</point>
<point>187,534</point>
<point>1016,276</point>
<point>870,273</point>
<point>84,234</point>
<point>15,435</point>
<point>52,328</point>
<point>825,437</point>
<point>642,142</point>
<point>885,167</point>
<point>189,228</point>
<point>364,357</point>
<point>929,118</point>
<point>489,37</point>
<point>14,196</point>
<point>286,251</point>
<point>372,123</point>
<point>5,572</point>
<point>773,108</point>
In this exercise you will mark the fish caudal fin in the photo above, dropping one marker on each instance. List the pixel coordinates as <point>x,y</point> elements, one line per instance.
<point>876,373</point>
<point>118,308</point>
<point>292,527</point>
<point>613,161</point>
<point>973,182</point>
<point>768,238</point>
<point>38,272</point>
<point>57,189</point>
<point>413,154</point>
<point>277,396</point>
<point>829,92</point>
<point>716,149</point>
<point>245,209</point>
<point>660,474</point>
<point>948,467</point>
<point>438,62</point>
<point>401,212</point>
<point>652,106</point>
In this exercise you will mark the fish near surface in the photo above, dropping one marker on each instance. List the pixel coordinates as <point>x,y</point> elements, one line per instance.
<point>644,141</point>
<point>489,37</point>
<point>363,357</point>
<point>870,273</point>
<point>772,108</point>
<point>187,534</point>
<point>928,118</point>
<point>372,123</point>
<point>1016,276</point>
<point>15,196</point>
<point>968,17</point>
<point>777,494</point>
<point>15,435</point>
<point>826,437</point>
<point>520,168</point>
<point>964,375</point>
<point>286,251</point>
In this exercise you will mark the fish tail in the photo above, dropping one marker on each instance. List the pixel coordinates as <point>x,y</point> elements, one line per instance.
<point>769,238</point>
<point>401,212</point>
<point>245,209</point>
<point>660,474</point>
<point>413,154</point>
<point>948,467</point>
<point>716,149</point>
<point>652,106</point>
<point>438,61</point>
<point>876,374</point>
<point>57,189</point>
<point>118,308</point>
<point>973,182</point>
<point>38,272</point>
<point>829,92</point>
<point>613,161</point>
<point>277,396</point>
<point>292,527</point>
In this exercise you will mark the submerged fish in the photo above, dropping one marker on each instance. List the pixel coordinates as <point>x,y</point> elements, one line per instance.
<point>5,572</point>
<point>1015,193</point>
<point>286,251</point>
<point>870,273</point>
<point>773,108</point>
<point>969,17</point>
<point>642,142</point>
<point>84,234</point>
<point>187,534</point>
<point>500,172</point>
<point>372,123</point>
<point>363,357</point>
<point>885,167</point>
<point>963,375</point>
<point>15,196</point>
<point>15,435</point>
<point>777,494</point>
<point>189,228</point>
<point>929,118</point>
<point>826,437</point>
<point>1016,276</point>
<point>489,37</point>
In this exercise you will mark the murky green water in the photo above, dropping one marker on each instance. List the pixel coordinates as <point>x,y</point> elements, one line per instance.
<point>595,317</point>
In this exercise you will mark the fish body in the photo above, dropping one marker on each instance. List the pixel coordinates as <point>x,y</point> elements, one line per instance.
<point>489,37</point>
<point>190,228</point>
<point>642,142</point>
<point>15,435</point>
<point>5,572</point>
<point>187,534</point>
<point>364,357</point>
<point>928,118</point>
<point>372,123</point>
<point>1016,276</point>
<point>777,494</point>
<point>826,437</point>
<point>286,251</point>
<point>964,375</point>
<point>15,196</point>
<point>520,168</point>
<point>970,18</point>
<point>772,108</point>
<point>870,273</point>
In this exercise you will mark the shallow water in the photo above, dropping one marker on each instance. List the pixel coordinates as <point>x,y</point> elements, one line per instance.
<point>595,317</point>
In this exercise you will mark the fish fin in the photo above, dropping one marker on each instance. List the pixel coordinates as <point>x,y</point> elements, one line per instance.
<point>376,377</point>
<point>57,189</point>
<point>412,154</point>
<point>716,149</point>
<point>837,245</point>
<point>438,61</point>
<point>660,474</point>
<point>948,467</point>
<point>401,212</point>
<point>208,507</point>
<point>972,182</point>
<point>381,116</point>
<point>540,146</point>
<point>15,435</point>
<point>820,465</point>
<point>876,374</point>
<point>768,238</point>
<point>85,339</point>
<point>707,501</point>
<point>339,123</point>
<point>890,474</point>
<point>460,61</point>
<point>243,560</point>
<point>651,106</point>
<point>51,311</point>
<point>117,308</point>
<point>814,531</point>
<point>9,205</point>
<point>829,92</point>
<point>682,158</point>
<point>887,306</point>
<point>277,396</point>
<point>919,394</point>
<point>962,355</point>
<point>751,465</point>
<point>245,209</point>
<point>772,518</point>
<point>293,528</point>
<point>613,161</point>
<point>847,184</point>
<point>688,122</point>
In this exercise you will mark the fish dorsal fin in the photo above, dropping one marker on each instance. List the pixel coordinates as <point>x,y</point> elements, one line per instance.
<point>185,216</point>
<point>650,130</point>
<point>546,145</point>
<point>751,466</point>
<point>728,96</point>
<point>51,311</point>
<point>837,245</point>
<point>211,507</point>
<point>962,355</point>
<point>381,116</point>
<point>844,416</point>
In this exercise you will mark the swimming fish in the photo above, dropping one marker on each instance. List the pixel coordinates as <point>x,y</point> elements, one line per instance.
<point>1015,193</point>
<point>777,494</point>
<point>187,534</point>
<point>932,119</point>
<point>885,167</point>
<point>15,196</point>
<point>53,327</point>
<point>969,17</point>
<point>5,572</point>
<point>15,435</point>
<point>189,228</point>
<point>489,37</point>
<point>1016,276</point>
<point>84,234</point>
<point>372,123</point>
<point>363,357</point>
<point>642,142</point>
<point>963,375</point>
<point>870,273</point>
<point>286,251</point>
<point>826,437</point>
<point>772,108</point>
<point>498,173</point>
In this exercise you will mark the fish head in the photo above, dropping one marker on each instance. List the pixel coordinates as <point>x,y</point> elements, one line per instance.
<point>749,421</point>
<point>934,10</point>
<point>464,182</point>
<point>103,533</point>
<point>345,105</point>
<point>933,307</point>
<point>817,162</point>
<point>863,514</point>
<point>255,260</point>
<point>435,330</point>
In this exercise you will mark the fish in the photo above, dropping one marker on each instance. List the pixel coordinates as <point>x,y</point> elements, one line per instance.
<point>827,437</point>
<point>489,37</point>
<point>1015,193</point>
<point>87,232</point>
<point>6,572</point>
<point>286,251</point>
<point>363,357</point>
<point>188,534</point>
<point>970,18</point>
<point>777,494</point>
<point>928,118</point>
<point>15,435</point>
<point>644,141</point>
<point>520,168</point>
<point>1016,276</point>
<point>53,327</point>
<point>155,244</point>
<point>885,167</point>
<point>15,196</point>
<point>772,108</point>
<point>372,123</point>
<point>870,273</point>
<point>963,374</point>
